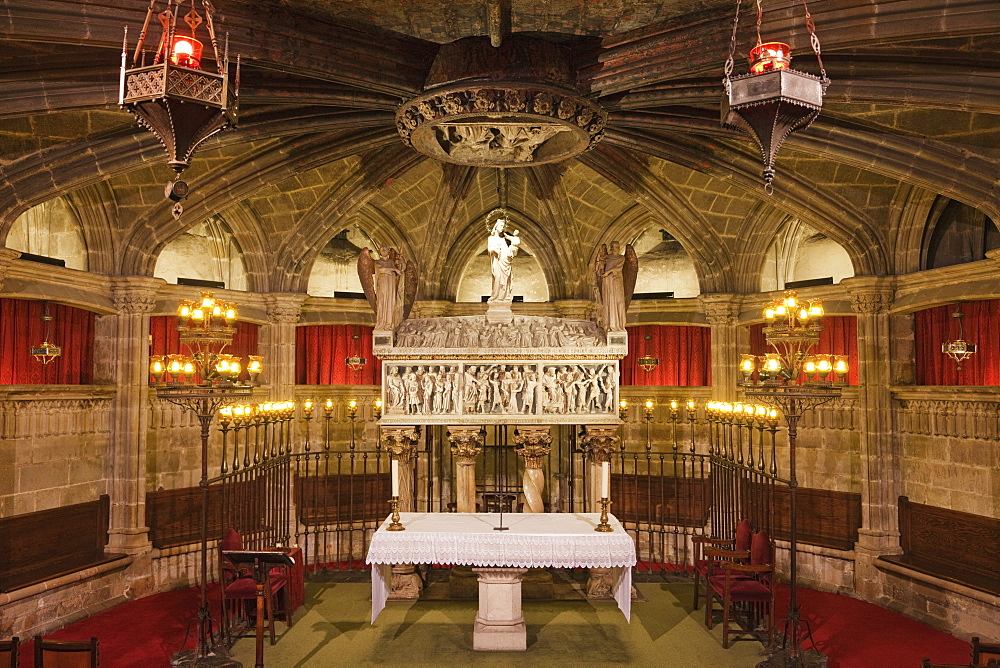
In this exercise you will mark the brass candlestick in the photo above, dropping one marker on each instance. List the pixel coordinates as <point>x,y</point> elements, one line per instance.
<point>604,527</point>
<point>395,525</point>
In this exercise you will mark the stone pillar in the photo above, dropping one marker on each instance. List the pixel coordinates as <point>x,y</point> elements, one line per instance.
<point>722,311</point>
<point>599,442</point>
<point>134,298</point>
<point>880,469</point>
<point>401,443</point>
<point>278,343</point>
<point>533,444</point>
<point>466,444</point>
<point>7,255</point>
<point>499,622</point>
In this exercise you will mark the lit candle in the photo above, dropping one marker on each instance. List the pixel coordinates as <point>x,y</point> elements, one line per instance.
<point>395,477</point>
<point>605,480</point>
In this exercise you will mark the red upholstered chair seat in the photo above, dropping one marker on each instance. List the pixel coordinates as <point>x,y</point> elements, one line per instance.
<point>238,586</point>
<point>244,587</point>
<point>741,587</point>
<point>740,582</point>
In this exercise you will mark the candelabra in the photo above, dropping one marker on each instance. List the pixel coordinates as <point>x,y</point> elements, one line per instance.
<point>395,524</point>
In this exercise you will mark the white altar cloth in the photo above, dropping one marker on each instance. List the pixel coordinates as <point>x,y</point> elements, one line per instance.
<point>534,540</point>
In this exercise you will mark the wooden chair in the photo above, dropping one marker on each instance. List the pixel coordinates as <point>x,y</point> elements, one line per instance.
<point>65,653</point>
<point>743,583</point>
<point>8,653</point>
<point>985,654</point>
<point>238,587</point>
<point>739,547</point>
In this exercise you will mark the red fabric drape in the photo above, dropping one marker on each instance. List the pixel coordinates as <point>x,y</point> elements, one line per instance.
<point>981,326</point>
<point>839,337</point>
<point>21,327</point>
<point>685,353</point>
<point>320,351</point>
<point>165,339</point>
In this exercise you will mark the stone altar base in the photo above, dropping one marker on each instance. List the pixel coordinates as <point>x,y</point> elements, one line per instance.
<point>406,583</point>
<point>500,622</point>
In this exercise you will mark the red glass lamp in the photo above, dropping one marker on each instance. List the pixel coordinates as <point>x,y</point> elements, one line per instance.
<point>186,52</point>
<point>769,57</point>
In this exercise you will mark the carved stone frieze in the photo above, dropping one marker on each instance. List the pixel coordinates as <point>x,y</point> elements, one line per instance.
<point>471,332</point>
<point>283,309</point>
<point>134,294</point>
<point>721,309</point>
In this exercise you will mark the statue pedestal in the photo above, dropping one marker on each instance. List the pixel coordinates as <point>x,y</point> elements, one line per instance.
<point>499,622</point>
<point>499,313</point>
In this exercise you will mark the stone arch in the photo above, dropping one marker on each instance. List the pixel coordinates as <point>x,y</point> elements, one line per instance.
<point>51,229</point>
<point>468,243</point>
<point>911,209</point>
<point>97,210</point>
<point>208,251</point>
<point>956,233</point>
<point>800,252</point>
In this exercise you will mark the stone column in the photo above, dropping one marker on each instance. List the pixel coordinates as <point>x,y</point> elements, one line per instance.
<point>880,469</point>
<point>401,443</point>
<point>278,343</point>
<point>722,311</point>
<point>499,622</point>
<point>466,444</point>
<point>599,442</point>
<point>7,255</point>
<point>134,298</point>
<point>533,444</point>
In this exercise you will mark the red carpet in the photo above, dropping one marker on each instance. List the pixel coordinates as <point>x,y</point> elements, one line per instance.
<point>854,634</point>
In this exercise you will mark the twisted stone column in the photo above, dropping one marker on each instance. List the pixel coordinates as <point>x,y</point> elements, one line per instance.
<point>127,336</point>
<point>880,468</point>
<point>599,442</point>
<point>722,311</point>
<point>466,444</point>
<point>401,443</point>
<point>533,444</point>
<point>278,342</point>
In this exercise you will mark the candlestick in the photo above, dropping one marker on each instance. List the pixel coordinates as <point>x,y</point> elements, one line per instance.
<point>605,480</point>
<point>395,524</point>
<point>395,478</point>
<point>604,527</point>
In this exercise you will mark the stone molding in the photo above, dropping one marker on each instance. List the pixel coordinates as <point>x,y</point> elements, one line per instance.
<point>7,256</point>
<point>135,294</point>
<point>721,308</point>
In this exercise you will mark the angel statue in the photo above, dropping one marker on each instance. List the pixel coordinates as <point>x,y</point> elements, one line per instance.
<point>390,284</point>
<point>502,247</point>
<point>615,275</point>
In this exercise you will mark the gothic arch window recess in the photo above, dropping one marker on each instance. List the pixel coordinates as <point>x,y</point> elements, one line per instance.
<point>800,255</point>
<point>50,230</point>
<point>205,252</point>
<point>336,268</point>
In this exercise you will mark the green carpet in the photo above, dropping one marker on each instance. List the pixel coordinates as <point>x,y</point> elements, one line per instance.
<point>333,630</point>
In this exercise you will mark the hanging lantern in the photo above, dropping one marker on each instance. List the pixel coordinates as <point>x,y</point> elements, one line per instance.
<point>172,97</point>
<point>959,350</point>
<point>771,101</point>
<point>45,352</point>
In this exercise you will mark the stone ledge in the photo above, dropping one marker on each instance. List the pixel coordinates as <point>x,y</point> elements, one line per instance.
<point>947,393</point>
<point>940,583</point>
<point>55,392</point>
<point>65,580</point>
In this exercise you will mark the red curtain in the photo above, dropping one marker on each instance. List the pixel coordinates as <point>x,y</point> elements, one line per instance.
<point>838,337</point>
<point>21,327</point>
<point>981,326</point>
<point>320,351</point>
<point>685,353</point>
<point>165,339</point>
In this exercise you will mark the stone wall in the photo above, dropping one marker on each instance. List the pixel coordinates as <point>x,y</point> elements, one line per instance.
<point>54,443</point>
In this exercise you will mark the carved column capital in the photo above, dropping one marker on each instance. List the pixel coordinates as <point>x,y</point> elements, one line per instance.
<point>721,308</point>
<point>870,295</point>
<point>466,444</point>
<point>533,444</point>
<point>599,442</point>
<point>7,256</point>
<point>135,294</point>
<point>400,442</point>
<point>284,307</point>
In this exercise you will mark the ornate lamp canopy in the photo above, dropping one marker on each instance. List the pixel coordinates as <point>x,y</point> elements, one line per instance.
<point>772,100</point>
<point>959,350</point>
<point>45,352</point>
<point>172,96</point>
<point>511,106</point>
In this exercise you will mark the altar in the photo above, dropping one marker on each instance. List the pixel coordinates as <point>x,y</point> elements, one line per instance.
<point>532,540</point>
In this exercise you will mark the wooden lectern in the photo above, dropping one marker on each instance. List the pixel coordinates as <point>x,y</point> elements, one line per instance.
<point>262,563</point>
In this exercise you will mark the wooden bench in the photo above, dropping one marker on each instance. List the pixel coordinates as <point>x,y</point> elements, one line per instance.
<point>174,515</point>
<point>332,499</point>
<point>951,545</point>
<point>51,543</point>
<point>824,517</point>
<point>637,497</point>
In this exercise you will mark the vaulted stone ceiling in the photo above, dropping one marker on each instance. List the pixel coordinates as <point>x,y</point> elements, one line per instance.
<point>912,113</point>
